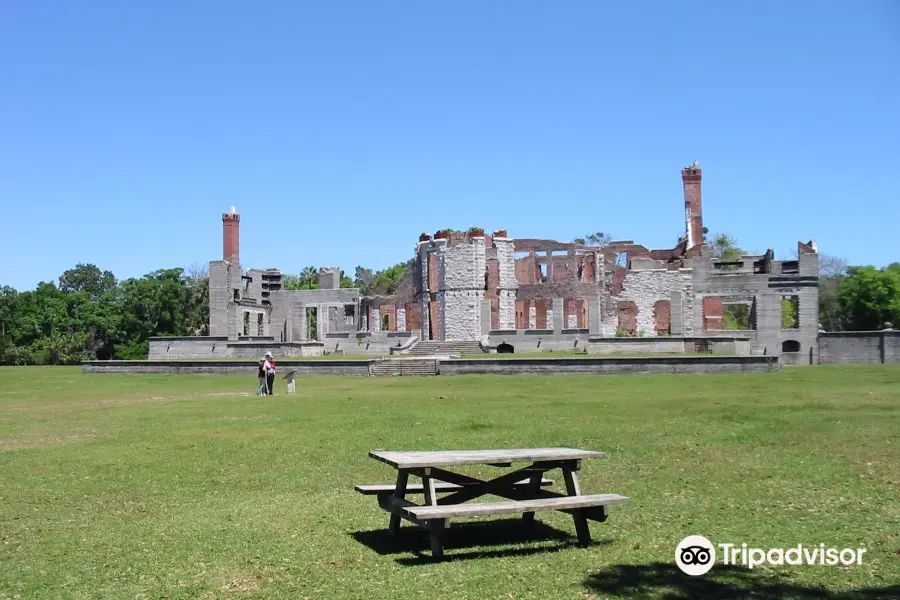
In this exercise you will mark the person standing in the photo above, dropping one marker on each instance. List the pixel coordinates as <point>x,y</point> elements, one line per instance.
<point>261,375</point>
<point>270,373</point>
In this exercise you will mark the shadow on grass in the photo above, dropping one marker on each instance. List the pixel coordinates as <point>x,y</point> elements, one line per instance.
<point>663,581</point>
<point>473,537</point>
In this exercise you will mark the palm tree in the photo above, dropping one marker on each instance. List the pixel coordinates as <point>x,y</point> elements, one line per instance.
<point>309,278</point>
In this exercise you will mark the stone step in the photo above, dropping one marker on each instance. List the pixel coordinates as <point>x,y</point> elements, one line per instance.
<point>402,367</point>
<point>436,347</point>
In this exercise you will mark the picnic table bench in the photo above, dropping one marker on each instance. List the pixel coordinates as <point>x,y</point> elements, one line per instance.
<point>523,488</point>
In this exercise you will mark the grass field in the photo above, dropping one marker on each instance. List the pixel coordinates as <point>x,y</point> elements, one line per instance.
<point>181,486</point>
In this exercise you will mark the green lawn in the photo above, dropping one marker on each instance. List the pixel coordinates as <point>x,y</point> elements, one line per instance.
<point>156,486</point>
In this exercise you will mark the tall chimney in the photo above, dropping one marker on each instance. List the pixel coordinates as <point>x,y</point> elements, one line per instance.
<point>693,206</point>
<point>231,236</point>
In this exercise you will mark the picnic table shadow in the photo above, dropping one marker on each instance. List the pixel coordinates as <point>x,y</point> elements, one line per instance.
<point>665,581</point>
<point>474,538</point>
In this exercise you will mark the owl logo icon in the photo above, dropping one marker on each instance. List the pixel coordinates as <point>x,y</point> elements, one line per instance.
<point>695,555</point>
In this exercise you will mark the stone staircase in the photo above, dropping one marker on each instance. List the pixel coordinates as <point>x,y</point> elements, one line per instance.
<point>404,366</point>
<point>439,348</point>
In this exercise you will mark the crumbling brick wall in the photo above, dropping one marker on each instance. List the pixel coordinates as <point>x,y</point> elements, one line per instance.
<point>713,313</point>
<point>662,316</point>
<point>527,270</point>
<point>644,289</point>
<point>413,316</point>
<point>627,317</point>
<point>573,315</point>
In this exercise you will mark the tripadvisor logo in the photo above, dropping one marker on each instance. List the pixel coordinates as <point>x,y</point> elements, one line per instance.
<point>696,555</point>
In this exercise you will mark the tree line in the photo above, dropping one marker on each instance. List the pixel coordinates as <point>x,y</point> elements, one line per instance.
<point>88,313</point>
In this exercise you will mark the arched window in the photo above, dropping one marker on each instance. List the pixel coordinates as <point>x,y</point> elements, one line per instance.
<point>790,346</point>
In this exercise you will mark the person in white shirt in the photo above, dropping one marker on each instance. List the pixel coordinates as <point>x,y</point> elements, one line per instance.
<point>261,375</point>
<point>269,367</point>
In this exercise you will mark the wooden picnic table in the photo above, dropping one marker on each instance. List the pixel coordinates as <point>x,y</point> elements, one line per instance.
<point>524,488</point>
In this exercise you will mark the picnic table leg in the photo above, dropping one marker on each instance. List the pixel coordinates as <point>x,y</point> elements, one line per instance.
<point>435,526</point>
<point>570,474</point>
<point>534,486</point>
<point>435,533</point>
<point>399,492</point>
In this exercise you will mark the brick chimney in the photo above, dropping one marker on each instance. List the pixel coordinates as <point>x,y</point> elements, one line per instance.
<point>231,237</point>
<point>693,206</point>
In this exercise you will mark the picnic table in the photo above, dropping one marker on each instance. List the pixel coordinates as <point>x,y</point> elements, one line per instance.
<point>523,488</point>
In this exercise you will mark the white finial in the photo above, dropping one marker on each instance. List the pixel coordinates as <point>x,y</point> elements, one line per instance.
<point>233,210</point>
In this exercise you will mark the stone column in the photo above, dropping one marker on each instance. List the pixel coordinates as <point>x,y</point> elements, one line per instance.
<point>558,316</point>
<point>234,325</point>
<point>485,317</point>
<point>304,325</point>
<point>676,314</point>
<point>321,321</point>
<point>594,314</point>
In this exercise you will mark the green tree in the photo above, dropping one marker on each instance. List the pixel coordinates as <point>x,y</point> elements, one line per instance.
<point>386,282</point>
<point>870,297</point>
<point>9,308</point>
<point>832,271</point>
<point>10,325</point>
<point>725,247</point>
<point>87,278</point>
<point>594,239</point>
<point>197,314</point>
<point>157,304</point>
<point>308,279</point>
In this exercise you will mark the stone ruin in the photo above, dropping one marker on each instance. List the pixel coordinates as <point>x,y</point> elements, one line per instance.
<point>530,294</point>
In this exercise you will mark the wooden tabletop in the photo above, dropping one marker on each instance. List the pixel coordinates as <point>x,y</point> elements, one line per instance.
<point>444,458</point>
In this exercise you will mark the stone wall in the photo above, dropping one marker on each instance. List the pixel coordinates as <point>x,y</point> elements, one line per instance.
<point>181,348</point>
<point>610,366</point>
<point>715,364</point>
<point>329,278</point>
<point>254,315</point>
<point>508,284</point>
<point>460,313</point>
<point>645,289</point>
<point>289,312</point>
<point>461,271</point>
<point>306,367</point>
<point>172,348</point>
<point>219,297</point>
<point>734,346</point>
<point>256,350</point>
<point>764,291</point>
<point>879,347</point>
<point>378,343</point>
<point>539,340</point>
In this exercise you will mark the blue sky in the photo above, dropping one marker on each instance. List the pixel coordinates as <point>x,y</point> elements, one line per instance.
<point>342,130</point>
